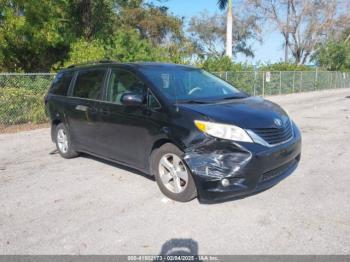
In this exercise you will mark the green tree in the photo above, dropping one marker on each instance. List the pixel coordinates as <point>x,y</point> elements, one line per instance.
<point>335,54</point>
<point>32,35</point>
<point>40,35</point>
<point>123,46</point>
<point>223,64</point>
<point>91,19</point>
<point>152,22</point>
<point>128,46</point>
<point>83,51</point>
<point>282,66</point>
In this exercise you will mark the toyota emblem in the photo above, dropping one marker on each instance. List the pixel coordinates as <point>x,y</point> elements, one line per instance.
<point>278,122</point>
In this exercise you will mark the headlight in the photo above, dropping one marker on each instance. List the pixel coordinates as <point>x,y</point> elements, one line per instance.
<point>223,131</point>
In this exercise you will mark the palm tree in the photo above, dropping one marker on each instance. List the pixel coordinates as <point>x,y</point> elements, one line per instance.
<point>222,5</point>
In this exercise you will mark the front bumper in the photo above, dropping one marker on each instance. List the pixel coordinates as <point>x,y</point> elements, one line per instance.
<point>249,168</point>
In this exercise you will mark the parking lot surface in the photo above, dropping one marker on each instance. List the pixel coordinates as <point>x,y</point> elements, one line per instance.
<point>49,205</point>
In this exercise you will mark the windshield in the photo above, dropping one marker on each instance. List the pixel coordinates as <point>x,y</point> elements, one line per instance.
<point>189,84</point>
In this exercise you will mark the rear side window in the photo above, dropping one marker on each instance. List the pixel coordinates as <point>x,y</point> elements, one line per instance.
<point>89,84</point>
<point>61,83</point>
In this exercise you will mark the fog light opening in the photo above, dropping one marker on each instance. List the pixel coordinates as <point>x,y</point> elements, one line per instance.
<point>225,182</point>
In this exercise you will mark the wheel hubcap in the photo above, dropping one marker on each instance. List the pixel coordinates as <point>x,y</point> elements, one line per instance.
<point>62,141</point>
<point>173,173</point>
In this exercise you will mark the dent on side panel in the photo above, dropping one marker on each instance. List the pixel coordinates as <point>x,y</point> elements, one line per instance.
<point>216,159</point>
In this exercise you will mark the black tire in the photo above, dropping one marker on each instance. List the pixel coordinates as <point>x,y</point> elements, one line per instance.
<point>70,152</point>
<point>190,191</point>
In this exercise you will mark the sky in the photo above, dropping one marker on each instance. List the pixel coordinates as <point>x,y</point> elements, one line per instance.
<point>270,51</point>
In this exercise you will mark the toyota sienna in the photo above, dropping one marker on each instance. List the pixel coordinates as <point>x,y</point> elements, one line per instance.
<point>195,133</point>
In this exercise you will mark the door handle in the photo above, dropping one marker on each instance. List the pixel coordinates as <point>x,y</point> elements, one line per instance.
<point>81,108</point>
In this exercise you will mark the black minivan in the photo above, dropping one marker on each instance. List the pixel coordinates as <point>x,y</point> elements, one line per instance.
<point>195,133</point>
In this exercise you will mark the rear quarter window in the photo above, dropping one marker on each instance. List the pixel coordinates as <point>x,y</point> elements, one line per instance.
<point>61,83</point>
<point>89,84</point>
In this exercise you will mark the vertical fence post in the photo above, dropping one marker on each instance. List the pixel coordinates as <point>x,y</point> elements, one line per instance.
<point>254,84</point>
<point>301,80</point>
<point>345,77</point>
<point>344,80</point>
<point>263,85</point>
<point>335,80</point>
<point>226,75</point>
<point>280,91</point>
<point>315,84</point>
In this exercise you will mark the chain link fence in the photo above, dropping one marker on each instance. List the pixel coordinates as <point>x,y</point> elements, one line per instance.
<point>22,95</point>
<point>285,82</point>
<point>22,98</point>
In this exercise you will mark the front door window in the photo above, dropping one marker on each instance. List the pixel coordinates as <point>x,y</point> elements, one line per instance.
<point>122,82</point>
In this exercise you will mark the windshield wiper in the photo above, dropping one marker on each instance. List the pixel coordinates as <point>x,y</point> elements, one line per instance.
<point>192,101</point>
<point>233,97</point>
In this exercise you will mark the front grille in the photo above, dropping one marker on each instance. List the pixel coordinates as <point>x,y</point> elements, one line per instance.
<point>278,171</point>
<point>275,136</point>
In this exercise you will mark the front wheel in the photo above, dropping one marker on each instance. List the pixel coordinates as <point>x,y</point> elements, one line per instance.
<point>172,175</point>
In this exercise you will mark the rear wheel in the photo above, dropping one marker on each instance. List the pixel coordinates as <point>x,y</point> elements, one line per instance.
<point>172,175</point>
<point>63,142</point>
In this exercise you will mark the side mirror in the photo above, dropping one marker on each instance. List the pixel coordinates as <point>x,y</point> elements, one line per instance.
<point>131,99</point>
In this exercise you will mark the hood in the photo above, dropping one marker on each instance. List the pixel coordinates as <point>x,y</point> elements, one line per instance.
<point>249,112</point>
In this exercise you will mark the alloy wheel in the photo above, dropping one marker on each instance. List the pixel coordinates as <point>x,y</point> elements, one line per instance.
<point>173,173</point>
<point>62,141</point>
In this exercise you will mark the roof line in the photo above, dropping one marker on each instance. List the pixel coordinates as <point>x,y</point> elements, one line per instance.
<point>92,63</point>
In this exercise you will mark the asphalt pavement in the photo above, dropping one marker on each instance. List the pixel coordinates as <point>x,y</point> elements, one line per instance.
<point>50,205</point>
